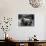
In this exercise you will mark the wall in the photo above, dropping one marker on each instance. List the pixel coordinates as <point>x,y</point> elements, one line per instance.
<point>45,29</point>
<point>11,8</point>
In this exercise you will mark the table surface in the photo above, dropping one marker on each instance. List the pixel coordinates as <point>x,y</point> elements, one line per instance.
<point>26,41</point>
<point>40,41</point>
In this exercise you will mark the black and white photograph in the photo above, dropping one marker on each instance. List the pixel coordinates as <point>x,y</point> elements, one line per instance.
<point>25,19</point>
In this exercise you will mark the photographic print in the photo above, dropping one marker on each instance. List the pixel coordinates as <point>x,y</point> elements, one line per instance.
<point>25,19</point>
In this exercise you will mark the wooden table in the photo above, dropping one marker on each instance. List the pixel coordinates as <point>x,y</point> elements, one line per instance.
<point>31,43</point>
<point>28,43</point>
